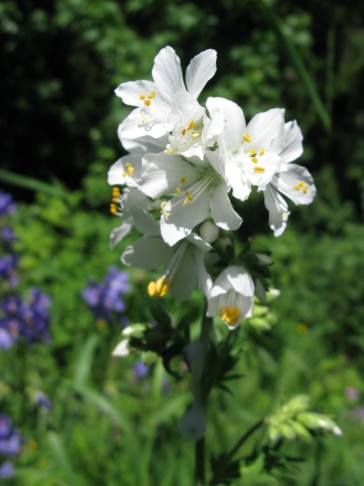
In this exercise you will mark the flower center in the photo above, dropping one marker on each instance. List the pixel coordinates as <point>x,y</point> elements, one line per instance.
<point>158,288</point>
<point>230,315</point>
<point>301,186</point>
<point>147,98</point>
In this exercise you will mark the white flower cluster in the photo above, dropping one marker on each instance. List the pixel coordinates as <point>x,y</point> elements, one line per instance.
<point>184,162</point>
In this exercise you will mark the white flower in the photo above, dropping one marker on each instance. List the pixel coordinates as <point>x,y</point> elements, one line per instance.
<point>183,263</point>
<point>165,100</point>
<point>131,205</point>
<point>250,153</point>
<point>200,190</point>
<point>232,296</point>
<point>293,181</point>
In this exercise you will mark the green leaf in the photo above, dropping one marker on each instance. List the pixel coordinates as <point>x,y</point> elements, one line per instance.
<point>32,184</point>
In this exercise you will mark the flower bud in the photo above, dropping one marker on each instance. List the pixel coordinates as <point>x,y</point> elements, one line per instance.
<point>193,423</point>
<point>209,231</point>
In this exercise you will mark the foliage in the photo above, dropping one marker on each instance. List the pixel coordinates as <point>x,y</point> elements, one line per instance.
<point>61,61</point>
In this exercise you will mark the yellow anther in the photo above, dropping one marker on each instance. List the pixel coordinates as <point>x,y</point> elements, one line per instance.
<point>188,198</point>
<point>191,125</point>
<point>115,199</point>
<point>195,135</point>
<point>147,102</point>
<point>142,96</point>
<point>261,151</point>
<point>301,186</point>
<point>113,208</point>
<point>254,160</point>
<point>129,170</point>
<point>183,180</point>
<point>259,170</point>
<point>184,131</point>
<point>158,288</point>
<point>152,95</point>
<point>247,138</point>
<point>115,191</point>
<point>230,315</point>
<point>177,190</point>
<point>252,152</point>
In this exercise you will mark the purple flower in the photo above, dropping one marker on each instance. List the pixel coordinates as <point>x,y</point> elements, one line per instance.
<point>6,204</point>
<point>6,470</point>
<point>141,370</point>
<point>359,413</point>
<point>43,401</point>
<point>9,437</point>
<point>5,339</point>
<point>8,264</point>
<point>352,393</point>
<point>27,320</point>
<point>105,298</point>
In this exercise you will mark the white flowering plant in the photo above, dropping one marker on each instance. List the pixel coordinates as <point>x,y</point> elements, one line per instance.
<point>188,167</point>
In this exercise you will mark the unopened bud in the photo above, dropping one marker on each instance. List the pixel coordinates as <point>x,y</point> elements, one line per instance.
<point>209,231</point>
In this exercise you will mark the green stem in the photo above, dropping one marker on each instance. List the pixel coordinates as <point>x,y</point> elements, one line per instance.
<point>200,462</point>
<point>201,396</point>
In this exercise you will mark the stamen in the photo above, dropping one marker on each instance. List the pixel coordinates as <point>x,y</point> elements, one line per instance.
<point>129,170</point>
<point>195,135</point>
<point>259,170</point>
<point>261,151</point>
<point>252,152</point>
<point>254,160</point>
<point>113,208</point>
<point>147,100</point>
<point>301,186</point>
<point>115,191</point>
<point>163,210</point>
<point>188,198</point>
<point>247,138</point>
<point>159,288</point>
<point>183,180</point>
<point>230,314</point>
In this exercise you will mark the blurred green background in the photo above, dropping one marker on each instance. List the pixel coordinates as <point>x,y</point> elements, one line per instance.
<point>60,62</point>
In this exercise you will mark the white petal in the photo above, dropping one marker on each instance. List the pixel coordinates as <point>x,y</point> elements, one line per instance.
<point>286,182</point>
<point>148,252</point>
<point>183,218</point>
<point>278,210</point>
<point>221,209</point>
<point>132,127</point>
<point>292,142</point>
<point>143,144</point>
<point>240,280</point>
<point>167,72</point>
<point>234,121</point>
<point>122,349</point>
<point>265,127</point>
<point>185,277</point>
<point>162,174</point>
<point>130,92</point>
<point>116,175</point>
<point>200,70</point>
<point>117,234</point>
<point>144,223</point>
